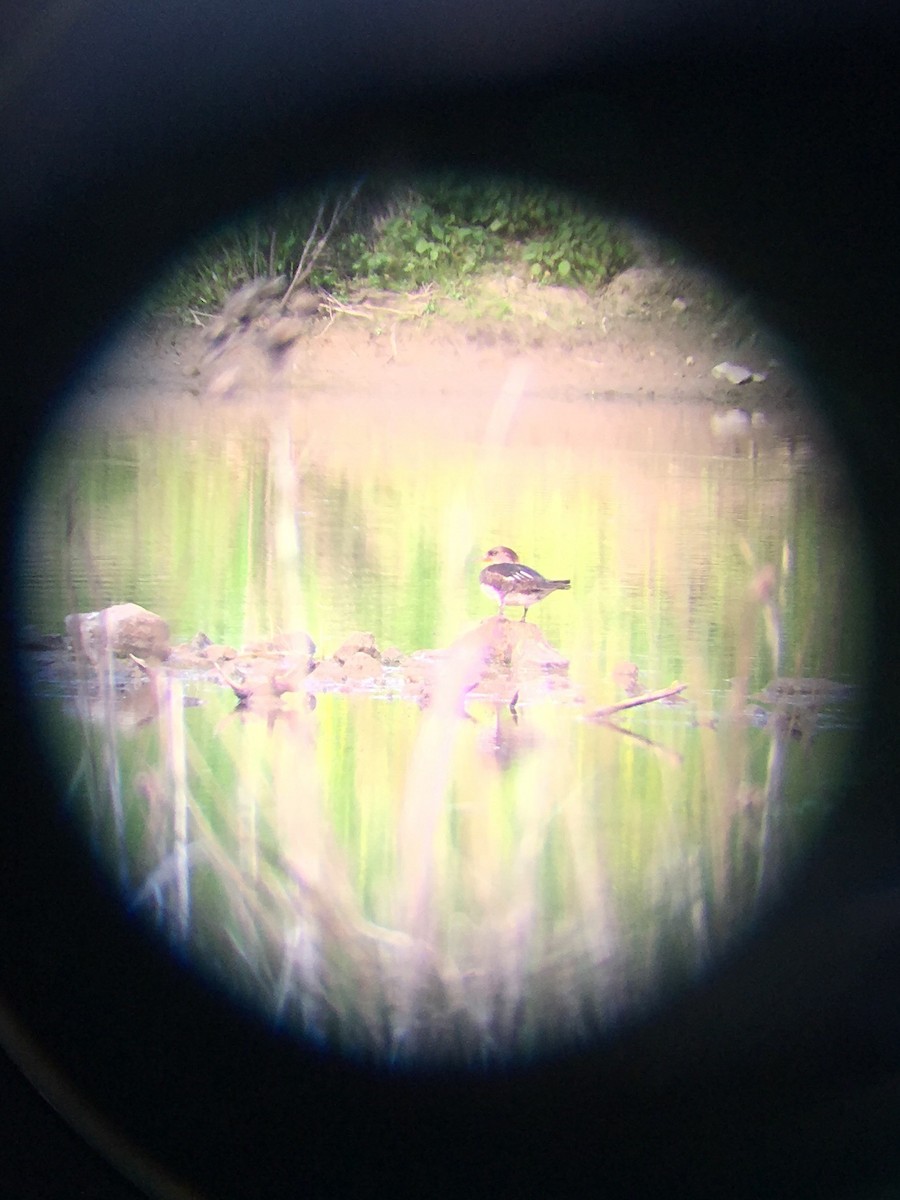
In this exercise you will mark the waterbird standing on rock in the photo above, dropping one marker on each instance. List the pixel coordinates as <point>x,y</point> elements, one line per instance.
<point>508,581</point>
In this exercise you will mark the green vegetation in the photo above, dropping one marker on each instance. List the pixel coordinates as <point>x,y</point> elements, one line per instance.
<point>443,231</point>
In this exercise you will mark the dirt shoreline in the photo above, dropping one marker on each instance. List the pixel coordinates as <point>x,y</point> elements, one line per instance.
<point>653,333</point>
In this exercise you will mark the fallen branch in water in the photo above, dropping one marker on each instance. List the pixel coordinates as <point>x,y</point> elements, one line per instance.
<point>600,714</point>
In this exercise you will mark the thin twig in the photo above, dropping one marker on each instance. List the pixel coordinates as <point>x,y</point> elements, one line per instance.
<point>600,714</point>
<point>316,243</point>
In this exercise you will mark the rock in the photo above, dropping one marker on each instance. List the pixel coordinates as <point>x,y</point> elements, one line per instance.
<point>356,643</point>
<point>362,666</point>
<point>392,657</point>
<point>535,656</point>
<point>493,659</point>
<point>325,675</point>
<point>219,650</point>
<point>423,666</point>
<point>122,628</point>
<point>731,372</point>
<point>518,644</point>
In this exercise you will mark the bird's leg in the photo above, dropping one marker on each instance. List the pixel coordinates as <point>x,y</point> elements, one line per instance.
<point>524,613</point>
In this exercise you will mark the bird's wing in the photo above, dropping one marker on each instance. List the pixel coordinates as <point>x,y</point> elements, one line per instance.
<point>518,574</point>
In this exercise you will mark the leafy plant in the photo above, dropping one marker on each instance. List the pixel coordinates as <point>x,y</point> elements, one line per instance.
<point>448,229</point>
<point>444,231</point>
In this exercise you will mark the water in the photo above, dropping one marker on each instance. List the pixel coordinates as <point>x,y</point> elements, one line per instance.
<point>405,882</point>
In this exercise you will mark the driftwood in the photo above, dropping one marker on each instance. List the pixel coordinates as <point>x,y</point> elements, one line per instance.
<point>371,310</point>
<point>602,714</point>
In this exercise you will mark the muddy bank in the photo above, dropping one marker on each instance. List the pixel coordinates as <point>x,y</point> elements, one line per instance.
<point>653,333</point>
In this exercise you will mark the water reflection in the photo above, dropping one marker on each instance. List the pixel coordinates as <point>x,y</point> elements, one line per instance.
<point>452,854</point>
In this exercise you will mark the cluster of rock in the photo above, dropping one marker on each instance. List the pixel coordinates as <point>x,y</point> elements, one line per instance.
<point>503,660</point>
<point>500,661</point>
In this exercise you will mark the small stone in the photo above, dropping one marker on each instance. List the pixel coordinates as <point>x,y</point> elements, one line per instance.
<point>362,666</point>
<point>417,673</point>
<point>325,674</point>
<point>538,656</point>
<point>354,644</point>
<point>679,304</point>
<point>219,650</point>
<point>731,372</point>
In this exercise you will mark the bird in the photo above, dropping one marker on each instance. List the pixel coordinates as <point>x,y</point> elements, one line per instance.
<point>508,581</point>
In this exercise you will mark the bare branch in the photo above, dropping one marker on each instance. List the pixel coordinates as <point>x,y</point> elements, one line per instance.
<point>316,242</point>
<point>600,714</point>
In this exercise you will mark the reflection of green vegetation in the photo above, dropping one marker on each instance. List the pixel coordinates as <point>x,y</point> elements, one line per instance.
<point>403,883</point>
<point>441,230</point>
<point>384,536</point>
<point>407,886</point>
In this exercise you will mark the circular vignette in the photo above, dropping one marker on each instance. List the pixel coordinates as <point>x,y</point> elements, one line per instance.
<point>175,1069</point>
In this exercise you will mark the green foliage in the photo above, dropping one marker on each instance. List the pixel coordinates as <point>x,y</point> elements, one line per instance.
<point>263,244</point>
<point>445,231</point>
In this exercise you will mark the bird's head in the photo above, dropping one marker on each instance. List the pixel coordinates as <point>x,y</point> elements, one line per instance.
<point>501,554</point>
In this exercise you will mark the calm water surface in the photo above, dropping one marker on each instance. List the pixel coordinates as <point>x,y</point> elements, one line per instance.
<point>402,882</point>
